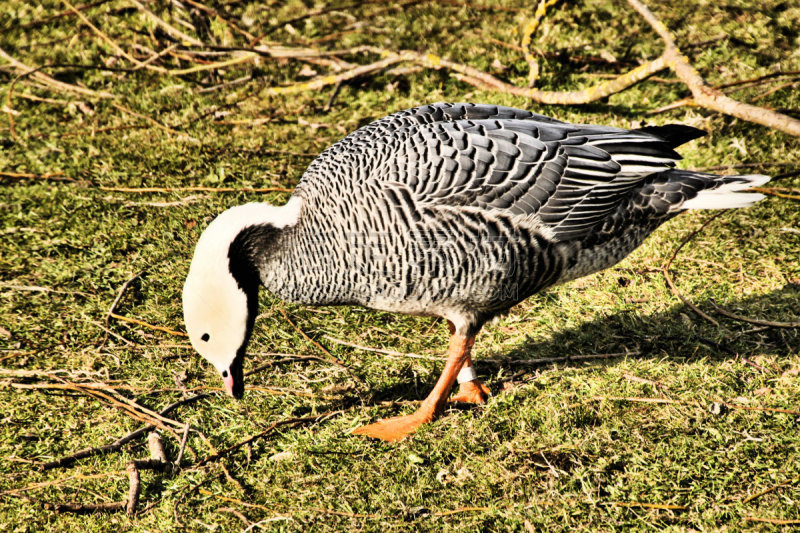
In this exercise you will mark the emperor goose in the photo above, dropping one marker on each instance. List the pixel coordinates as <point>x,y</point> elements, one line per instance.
<point>452,210</point>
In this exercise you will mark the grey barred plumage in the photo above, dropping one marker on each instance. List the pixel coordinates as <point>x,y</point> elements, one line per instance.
<point>473,208</point>
<point>459,211</point>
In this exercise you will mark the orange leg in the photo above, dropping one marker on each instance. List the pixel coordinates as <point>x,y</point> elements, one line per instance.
<point>471,391</point>
<point>399,427</point>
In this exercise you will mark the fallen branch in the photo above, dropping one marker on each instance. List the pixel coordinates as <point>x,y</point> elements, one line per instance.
<point>705,95</point>
<point>527,39</point>
<point>157,462</point>
<point>480,79</point>
<point>119,443</point>
<point>702,94</point>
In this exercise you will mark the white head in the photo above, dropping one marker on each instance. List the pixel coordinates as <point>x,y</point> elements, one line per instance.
<point>220,296</point>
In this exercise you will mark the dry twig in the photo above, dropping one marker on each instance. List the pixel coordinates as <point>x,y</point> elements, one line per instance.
<point>292,422</point>
<point>696,404</point>
<point>119,443</point>
<point>668,276</point>
<point>54,176</point>
<point>113,307</point>
<point>50,82</point>
<point>390,353</point>
<point>774,521</point>
<point>770,489</point>
<point>148,325</point>
<point>194,189</point>
<point>721,310</point>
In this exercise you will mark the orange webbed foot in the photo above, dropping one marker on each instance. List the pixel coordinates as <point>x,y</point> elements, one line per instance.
<point>395,428</point>
<point>471,392</point>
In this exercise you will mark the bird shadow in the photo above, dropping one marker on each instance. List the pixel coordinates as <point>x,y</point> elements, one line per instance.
<point>676,334</point>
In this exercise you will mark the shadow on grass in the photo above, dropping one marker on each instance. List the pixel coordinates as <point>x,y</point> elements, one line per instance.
<point>678,334</point>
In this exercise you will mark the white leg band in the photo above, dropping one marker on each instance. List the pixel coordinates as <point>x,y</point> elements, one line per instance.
<point>466,374</point>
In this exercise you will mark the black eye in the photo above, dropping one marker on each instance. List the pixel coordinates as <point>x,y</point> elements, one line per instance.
<point>224,373</point>
<point>205,337</point>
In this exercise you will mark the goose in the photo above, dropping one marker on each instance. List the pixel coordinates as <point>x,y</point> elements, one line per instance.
<point>457,211</point>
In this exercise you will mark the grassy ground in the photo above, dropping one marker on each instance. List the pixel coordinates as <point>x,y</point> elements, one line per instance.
<point>558,447</point>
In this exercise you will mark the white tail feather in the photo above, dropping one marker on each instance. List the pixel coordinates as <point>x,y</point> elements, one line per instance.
<point>730,195</point>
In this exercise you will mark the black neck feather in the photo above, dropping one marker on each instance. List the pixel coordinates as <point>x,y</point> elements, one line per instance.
<point>248,250</point>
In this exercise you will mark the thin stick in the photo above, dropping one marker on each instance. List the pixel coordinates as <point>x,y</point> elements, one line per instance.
<point>84,508</point>
<point>216,14</point>
<point>155,56</point>
<point>129,406</point>
<point>770,489</point>
<point>288,422</point>
<point>67,13</point>
<point>270,364</point>
<point>696,404</point>
<point>772,192</point>
<point>154,122</point>
<point>51,82</point>
<point>668,276</point>
<point>9,108</point>
<point>193,189</point>
<point>546,360</point>
<point>776,521</point>
<point>171,30</point>
<point>182,448</point>
<point>119,443</point>
<point>54,176</point>
<point>106,38</point>
<point>646,505</point>
<point>147,325</point>
<point>114,305</point>
<point>383,351</point>
<point>468,509</point>
<point>324,350</point>
<point>770,323</point>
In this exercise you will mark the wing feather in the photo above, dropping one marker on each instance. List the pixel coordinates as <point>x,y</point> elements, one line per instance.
<point>492,158</point>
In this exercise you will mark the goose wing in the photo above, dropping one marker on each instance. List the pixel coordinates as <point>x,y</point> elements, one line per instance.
<point>492,158</point>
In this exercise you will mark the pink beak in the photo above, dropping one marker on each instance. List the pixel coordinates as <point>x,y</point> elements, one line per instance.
<point>228,381</point>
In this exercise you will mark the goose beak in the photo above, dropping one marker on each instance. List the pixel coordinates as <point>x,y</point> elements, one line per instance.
<point>233,379</point>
